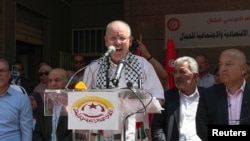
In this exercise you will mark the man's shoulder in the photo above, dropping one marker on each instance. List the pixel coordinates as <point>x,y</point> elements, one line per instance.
<point>141,59</point>
<point>16,89</point>
<point>216,89</point>
<point>95,63</point>
<point>171,92</point>
<point>18,95</point>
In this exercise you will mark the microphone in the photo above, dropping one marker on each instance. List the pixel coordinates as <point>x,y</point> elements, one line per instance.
<point>111,49</point>
<point>121,65</point>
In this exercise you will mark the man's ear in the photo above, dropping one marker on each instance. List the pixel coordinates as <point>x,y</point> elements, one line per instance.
<point>245,69</point>
<point>196,75</point>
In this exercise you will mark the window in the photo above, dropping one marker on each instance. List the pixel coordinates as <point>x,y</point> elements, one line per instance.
<point>89,42</point>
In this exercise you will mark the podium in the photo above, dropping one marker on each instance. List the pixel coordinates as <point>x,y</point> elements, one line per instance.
<point>95,113</point>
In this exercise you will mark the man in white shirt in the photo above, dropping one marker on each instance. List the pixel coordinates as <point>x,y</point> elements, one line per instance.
<point>177,121</point>
<point>99,74</point>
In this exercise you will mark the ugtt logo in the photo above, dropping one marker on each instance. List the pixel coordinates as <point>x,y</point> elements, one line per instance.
<point>92,109</point>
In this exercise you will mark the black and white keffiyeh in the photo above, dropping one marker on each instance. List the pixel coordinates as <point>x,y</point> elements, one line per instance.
<point>131,74</point>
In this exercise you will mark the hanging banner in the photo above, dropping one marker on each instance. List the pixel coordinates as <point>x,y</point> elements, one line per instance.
<point>212,29</point>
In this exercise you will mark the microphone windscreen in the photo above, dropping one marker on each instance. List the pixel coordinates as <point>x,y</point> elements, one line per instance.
<point>80,86</point>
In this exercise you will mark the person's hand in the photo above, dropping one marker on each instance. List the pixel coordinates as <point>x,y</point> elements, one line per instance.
<point>144,51</point>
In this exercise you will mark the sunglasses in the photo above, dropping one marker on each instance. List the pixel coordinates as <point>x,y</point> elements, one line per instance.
<point>78,62</point>
<point>43,73</point>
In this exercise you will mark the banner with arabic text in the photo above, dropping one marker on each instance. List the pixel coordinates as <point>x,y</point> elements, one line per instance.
<point>212,29</point>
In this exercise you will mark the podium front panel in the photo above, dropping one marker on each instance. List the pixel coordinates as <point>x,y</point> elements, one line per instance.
<point>98,109</point>
<point>55,102</point>
<point>93,110</point>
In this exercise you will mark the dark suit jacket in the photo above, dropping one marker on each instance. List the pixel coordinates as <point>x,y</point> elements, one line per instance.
<point>165,125</point>
<point>213,109</point>
<point>27,85</point>
<point>43,128</point>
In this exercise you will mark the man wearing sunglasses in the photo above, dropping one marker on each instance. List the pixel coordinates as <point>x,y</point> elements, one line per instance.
<point>78,62</point>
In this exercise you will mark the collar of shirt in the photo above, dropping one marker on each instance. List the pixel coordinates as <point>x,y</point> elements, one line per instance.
<point>10,91</point>
<point>196,93</point>
<point>240,90</point>
<point>113,65</point>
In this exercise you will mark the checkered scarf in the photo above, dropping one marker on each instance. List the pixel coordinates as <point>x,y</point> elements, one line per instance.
<point>131,74</point>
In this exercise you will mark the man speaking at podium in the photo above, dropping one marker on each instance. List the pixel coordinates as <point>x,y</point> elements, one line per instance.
<point>98,75</point>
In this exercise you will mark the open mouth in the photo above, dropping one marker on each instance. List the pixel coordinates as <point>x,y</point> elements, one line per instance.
<point>118,49</point>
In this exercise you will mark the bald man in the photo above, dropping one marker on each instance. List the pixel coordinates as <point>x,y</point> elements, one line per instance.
<point>97,75</point>
<point>227,103</point>
<point>53,128</point>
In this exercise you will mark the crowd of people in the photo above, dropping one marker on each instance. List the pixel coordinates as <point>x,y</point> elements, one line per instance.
<point>199,98</point>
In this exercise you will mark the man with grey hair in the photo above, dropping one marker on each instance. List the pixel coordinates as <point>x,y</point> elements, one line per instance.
<point>177,121</point>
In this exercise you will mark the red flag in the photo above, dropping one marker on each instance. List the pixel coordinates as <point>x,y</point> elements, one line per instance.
<point>170,58</point>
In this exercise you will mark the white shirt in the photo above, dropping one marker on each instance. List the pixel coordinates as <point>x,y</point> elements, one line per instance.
<point>188,108</point>
<point>55,117</point>
<point>151,82</point>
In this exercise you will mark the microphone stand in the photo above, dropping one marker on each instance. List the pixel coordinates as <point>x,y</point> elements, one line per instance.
<point>107,72</point>
<point>71,78</point>
<point>123,133</point>
<point>139,76</point>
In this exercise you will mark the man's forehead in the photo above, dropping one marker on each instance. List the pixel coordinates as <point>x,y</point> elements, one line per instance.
<point>226,57</point>
<point>118,34</point>
<point>54,78</point>
<point>118,31</point>
<point>78,57</point>
<point>2,64</point>
<point>183,65</point>
<point>227,60</point>
<point>54,75</point>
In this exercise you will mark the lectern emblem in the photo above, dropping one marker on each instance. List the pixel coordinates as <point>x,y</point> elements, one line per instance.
<point>92,109</point>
